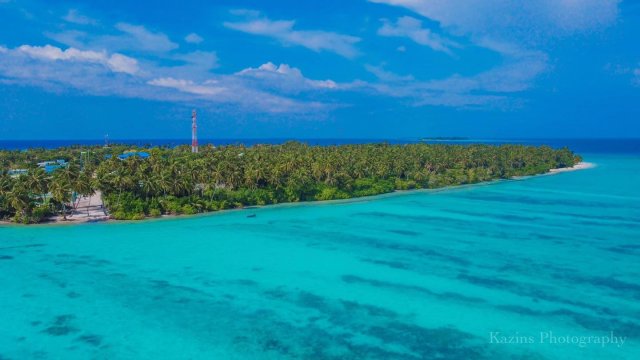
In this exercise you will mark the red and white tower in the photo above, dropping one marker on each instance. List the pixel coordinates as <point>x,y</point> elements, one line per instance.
<point>194,132</point>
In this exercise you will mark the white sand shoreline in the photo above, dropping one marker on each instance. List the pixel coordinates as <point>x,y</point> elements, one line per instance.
<point>583,165</point>
<point>579,166</point>
<point>89,209</point>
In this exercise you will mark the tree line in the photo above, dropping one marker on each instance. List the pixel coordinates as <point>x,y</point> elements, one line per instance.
<point>175,181</point>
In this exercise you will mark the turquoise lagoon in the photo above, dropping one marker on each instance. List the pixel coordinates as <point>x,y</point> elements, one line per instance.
<point>415,275</point>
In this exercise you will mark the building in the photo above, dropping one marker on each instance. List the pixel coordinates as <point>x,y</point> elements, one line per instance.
<point>51,166</point>
<point>140,154</point>
<point>47,166</point>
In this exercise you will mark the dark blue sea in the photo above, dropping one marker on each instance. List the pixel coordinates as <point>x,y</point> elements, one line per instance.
<point>578,145</point>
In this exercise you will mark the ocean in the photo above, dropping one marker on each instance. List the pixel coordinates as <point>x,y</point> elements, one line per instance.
<point>630,146</point>
<point>545,267</point>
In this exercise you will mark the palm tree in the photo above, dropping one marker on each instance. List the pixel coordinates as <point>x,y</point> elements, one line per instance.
<point>84,187</point>
<point>6,184</point>
<point>61,191</point>
<point>36,182</point>
<point>70,172</point>
<point>164,182</point>
<point>149,184</point>
<point>19,199</point>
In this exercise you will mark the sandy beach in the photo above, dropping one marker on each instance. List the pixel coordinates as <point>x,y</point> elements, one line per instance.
<point>579,166</point>
<point>89,209</point>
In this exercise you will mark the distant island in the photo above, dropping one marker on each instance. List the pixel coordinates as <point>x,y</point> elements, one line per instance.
<point>444,138</point>
<point>37,185</point>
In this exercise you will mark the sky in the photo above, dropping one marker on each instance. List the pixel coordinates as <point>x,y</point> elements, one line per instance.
<point>381,69</point>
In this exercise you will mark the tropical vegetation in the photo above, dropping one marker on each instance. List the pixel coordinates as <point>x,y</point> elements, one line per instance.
<point>176,181</point>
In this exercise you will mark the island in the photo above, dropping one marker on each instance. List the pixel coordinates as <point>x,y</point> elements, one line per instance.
<point>444,138</point>
<point>134,183</point>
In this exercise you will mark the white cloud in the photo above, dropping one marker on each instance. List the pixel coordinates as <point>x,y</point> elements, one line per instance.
<point>283,31</point>
<point>515,30</point>
<point>53,69</point>
<point>122,63</point>
<point>515,76</point>
<point>234,90</point>
<point>187,86</point>
<point>385,75</point>
<point>143,39</point>
<point>493,87</point>
<point>523,20</point>
<point>193,38</point>
<point>116,62</point>
<point>104,74</point>
<point>55,53</point>
<point>73,16</point>
<point>130,37</point>
<point>411,28</point>
<point>266,88</point>
<point>286,78</point>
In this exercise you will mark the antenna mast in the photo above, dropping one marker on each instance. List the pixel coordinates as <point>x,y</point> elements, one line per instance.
<point>194,132</point>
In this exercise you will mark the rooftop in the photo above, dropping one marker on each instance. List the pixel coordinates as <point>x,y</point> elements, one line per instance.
<point>141,154</point>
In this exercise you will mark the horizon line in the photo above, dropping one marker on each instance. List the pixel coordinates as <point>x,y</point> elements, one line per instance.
<point>437,138</point>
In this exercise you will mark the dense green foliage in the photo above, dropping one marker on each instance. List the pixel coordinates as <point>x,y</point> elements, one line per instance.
<point>175,181</point>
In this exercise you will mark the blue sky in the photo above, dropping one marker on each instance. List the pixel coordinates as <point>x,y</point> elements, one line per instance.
<point>309,69</point>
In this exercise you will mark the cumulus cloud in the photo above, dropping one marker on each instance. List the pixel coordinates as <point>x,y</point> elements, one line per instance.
<point>54,69</point>
<point>114,74</point>
<point>234,90</point>
<point>193,38</point>
<point>116,62</point>
<point>122,63</point>
<point>411,28</point>
<point>286,77</point>
<point>154,68</point>
<point>133,61</point>
<point>283,31</point>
